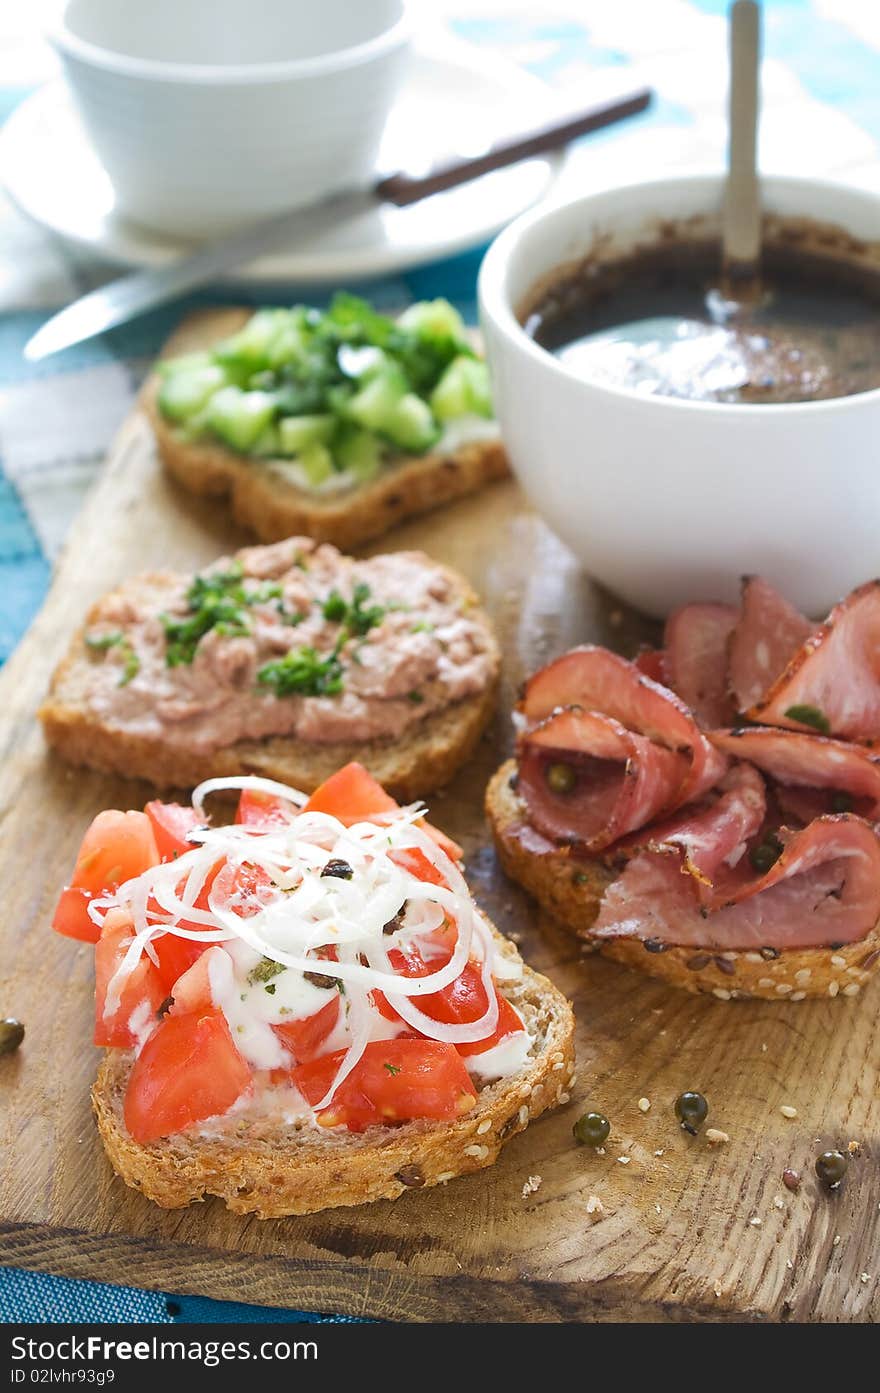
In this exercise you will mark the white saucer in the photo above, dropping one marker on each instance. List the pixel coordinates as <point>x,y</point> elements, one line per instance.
<point>457,101</point>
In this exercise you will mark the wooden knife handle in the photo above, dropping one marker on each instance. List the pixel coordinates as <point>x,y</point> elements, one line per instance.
<point>402,189</point>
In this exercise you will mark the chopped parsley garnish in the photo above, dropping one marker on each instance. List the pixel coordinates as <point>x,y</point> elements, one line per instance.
<point>292,617</point>
<point>392,1068</point>
<point>261,594</point>
<point>215,601</point>
<point>101,642</point>
<point>265,970</point>
<point>355,616</point>
<point>131,663</point>
<point>423,627</point>
<point>303,672</point>
<point>416,698</point>
<point>270,988</point>
<point>334,608</point>
<point>809,716</point>
<point>218,601</point>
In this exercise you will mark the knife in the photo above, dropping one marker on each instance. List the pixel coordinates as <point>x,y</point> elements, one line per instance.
<point>129,296</point>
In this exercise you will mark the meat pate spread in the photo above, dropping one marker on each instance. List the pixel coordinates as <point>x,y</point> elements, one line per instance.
<point>293,639</point>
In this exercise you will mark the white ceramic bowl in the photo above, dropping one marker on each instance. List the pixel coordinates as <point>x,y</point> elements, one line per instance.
<point>212,113</point>
<point>666,500</point>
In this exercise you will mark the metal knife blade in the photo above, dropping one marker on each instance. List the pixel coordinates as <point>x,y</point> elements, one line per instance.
<point>122,299</point>
<point>128,296</point>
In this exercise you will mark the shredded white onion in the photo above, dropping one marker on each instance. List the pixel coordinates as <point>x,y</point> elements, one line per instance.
<point>298,918</point>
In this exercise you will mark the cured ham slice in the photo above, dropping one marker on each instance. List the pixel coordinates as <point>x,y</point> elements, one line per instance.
<point>652,662</point>
<point>710,842</point>
<point>807,761</point>
<point>601,682</point>
<point>832,684</point>
<point>768,634</point>
<point>824,889</point>
<point>697,638</point>
<point>618,780</point>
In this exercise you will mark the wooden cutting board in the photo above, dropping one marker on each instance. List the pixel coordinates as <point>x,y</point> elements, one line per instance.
<point>688,1233</point>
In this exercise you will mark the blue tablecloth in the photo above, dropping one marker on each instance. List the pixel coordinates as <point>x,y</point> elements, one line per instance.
<point>821,91</point>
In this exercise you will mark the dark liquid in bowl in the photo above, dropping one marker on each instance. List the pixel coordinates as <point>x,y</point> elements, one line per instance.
<point>643,323</point>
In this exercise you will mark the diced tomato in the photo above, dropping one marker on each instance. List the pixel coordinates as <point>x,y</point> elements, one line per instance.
<point>394,1081</point>
<point>245,889</point>
<point>241,887</point>
<point>176,956</point>
<point>417,863</point>
<point>72,915</point>
<point>257,809</point>
<point>305,1037</point>
<point>459,1003</point>
<point>171,822</point>
<point>509,1023</point>
<point>117,847</point>
<point>188,1070</point>
<point>191,989</point>
<point>452,849</point>
<point>353,795</point>
<point>142,990</point>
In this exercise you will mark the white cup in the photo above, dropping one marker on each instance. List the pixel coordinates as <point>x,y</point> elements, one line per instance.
<point>209,114</point>
<point>667,500</point>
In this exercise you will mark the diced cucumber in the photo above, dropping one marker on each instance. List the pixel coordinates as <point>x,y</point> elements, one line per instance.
<point>166,366</point>
<point>361,452</point>
<point>463,390</point>
<point>317,462</point>
<point>267,444</point>
<point>185,392</point>
<point>433,319</point>
<point>298,432</point>
<point>375,403</point>
<point>239,418</point>
<point>411,425</point>
<point>270,338</point>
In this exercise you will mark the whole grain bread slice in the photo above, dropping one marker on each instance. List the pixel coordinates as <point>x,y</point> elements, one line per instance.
<point>276,1170</point>
<point>570,887</point>
<point>273,507</point>
<point>422,759</point>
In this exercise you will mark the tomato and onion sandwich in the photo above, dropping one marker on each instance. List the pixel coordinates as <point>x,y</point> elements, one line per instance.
<point>304,1008</point>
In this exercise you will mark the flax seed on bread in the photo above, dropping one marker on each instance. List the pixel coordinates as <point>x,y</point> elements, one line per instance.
<point>276,1171</point>
<point>570,887</point>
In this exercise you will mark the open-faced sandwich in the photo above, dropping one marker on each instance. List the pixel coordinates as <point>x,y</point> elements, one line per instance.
<point>742,860</point>
<point>337,424</point>
<point>305,1009</point>
<point>286,661</point>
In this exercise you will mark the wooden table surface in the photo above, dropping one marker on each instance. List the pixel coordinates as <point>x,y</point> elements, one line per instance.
<point>689,1231</point>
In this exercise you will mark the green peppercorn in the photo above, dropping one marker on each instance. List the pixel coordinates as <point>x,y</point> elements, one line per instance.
<point>11,1035</point>
<point>766,853</point>
<point>691,1109</point>
<point>561,778</point>
<point>842,802</point>
<point>592,1129</point>
<point>831,1168</point>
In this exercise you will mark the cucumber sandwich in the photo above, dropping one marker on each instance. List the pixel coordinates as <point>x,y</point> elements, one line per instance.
<point>336,423</point>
